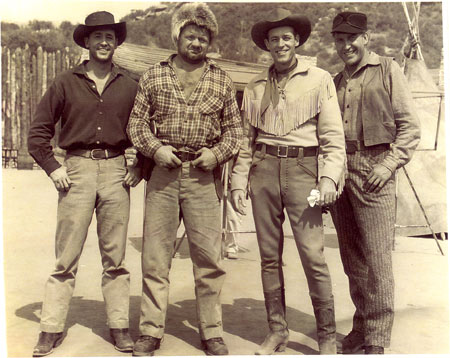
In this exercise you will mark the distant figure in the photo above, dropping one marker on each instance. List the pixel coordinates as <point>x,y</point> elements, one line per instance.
<point>93,102</point>
<point>290,112</point>
<point>191,102</point>
<point>381,133</point>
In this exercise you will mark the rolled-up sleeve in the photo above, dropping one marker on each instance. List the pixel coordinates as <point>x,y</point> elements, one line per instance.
<point>407,124</point>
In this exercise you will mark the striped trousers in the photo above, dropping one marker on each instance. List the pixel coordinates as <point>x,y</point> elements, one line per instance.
<point>365,227</point>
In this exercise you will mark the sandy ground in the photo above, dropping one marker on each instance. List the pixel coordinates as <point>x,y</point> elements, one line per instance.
<point>29,217</point>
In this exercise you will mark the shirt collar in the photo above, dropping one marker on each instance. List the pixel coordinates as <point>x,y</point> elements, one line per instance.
<point>302,66</point>
<point>81,69</point>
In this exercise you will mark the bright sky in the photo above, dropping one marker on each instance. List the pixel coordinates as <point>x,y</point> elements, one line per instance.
<point>75,11</point>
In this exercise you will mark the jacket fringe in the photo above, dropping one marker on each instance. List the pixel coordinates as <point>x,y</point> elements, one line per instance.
<point>287,116</point>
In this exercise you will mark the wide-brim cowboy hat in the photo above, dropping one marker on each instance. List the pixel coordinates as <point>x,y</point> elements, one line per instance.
<point>278,18</point>
<point>99,20</point>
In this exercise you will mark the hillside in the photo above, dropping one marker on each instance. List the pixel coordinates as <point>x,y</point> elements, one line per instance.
<point>386,20</point>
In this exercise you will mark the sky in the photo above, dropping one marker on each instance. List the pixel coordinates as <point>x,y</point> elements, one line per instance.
<point>75,11</point>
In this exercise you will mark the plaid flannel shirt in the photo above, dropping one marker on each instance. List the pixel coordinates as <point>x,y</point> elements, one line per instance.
<point>210,118</point>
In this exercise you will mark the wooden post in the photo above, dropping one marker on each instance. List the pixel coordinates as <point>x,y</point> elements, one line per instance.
<point>33,81</point>
<point>13,99</point>
<point>44,73</point>
<point>7,142</point>
<point>18,117</point>
<point>24,160</point>
<point>58,62</point>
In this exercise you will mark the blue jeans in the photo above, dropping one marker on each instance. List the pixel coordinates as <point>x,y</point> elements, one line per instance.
<point>190,192</point>
<point>96,185</point>
<point>285,183</point>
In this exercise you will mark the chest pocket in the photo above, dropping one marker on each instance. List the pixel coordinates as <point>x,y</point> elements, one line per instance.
<point>212,104</point>
<point>165,102</point>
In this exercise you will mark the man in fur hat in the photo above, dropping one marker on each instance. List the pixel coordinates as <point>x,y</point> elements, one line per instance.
<point>291,113</point>
<point>93,102</point>
<point>381,132</point>
<point>186,120</point>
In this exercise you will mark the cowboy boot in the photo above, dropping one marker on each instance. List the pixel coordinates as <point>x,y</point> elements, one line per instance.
<point>326,327</point>
<point>278,336</point>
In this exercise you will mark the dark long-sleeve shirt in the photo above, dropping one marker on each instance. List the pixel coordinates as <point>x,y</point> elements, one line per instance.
<point>88,120</point>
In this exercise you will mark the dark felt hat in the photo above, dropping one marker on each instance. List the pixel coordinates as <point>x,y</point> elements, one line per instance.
<point>278,18</point>
<point>350,22</point>
<point>99,20</point>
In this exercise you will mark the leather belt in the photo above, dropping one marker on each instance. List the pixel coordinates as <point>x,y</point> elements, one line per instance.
<point>96,154</point>
<point>186,156</point>
<point>352,146</point>
<point>288,151</point>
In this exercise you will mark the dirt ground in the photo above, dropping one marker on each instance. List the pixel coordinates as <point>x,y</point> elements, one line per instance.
<point>29,218</point>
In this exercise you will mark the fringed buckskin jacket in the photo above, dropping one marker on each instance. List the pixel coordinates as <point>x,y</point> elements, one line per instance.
<point>306,115</point>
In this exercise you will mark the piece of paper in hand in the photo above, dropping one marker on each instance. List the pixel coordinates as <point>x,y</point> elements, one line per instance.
<point>313,197</point>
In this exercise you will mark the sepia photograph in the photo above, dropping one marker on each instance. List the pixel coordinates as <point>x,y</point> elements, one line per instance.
<point>224,178</point>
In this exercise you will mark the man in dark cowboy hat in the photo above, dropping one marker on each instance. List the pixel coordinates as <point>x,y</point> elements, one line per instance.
<point>198,128</point>
<point>381,133</point>
<point>93,102</point>
<point>291,113</point>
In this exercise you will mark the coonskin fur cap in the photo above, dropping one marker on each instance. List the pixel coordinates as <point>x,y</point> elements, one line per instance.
<point>194,13</point>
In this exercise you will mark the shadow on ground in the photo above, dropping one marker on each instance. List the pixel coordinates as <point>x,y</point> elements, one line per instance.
<point>245,318</point>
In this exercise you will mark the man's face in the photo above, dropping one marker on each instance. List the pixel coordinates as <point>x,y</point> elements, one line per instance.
<point>281,43</point>
<point>193,43</point>
<point>101,45</point>
<point>351,48</point>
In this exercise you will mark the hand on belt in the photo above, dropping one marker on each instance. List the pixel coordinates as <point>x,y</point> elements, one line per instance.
<point>287,151</point>
<point>186,156</point>
<point>96,154</point>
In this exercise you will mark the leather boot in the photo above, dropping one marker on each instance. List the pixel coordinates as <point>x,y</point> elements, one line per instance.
<point>278,336</point>
<point>326,327</point>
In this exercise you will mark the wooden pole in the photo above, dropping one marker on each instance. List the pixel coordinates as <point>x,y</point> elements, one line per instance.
<point>13,99</point>
<point>7,142</point>
<point>24,160</point>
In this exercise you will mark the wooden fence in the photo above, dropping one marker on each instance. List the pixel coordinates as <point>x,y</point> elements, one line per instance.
<point>25,78</point>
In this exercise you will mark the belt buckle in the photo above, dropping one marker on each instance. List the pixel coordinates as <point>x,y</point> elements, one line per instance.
<point>280,154</point>
<point>100,150</point>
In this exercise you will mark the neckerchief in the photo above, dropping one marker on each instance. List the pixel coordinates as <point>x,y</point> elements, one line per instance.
<point>271,91</point>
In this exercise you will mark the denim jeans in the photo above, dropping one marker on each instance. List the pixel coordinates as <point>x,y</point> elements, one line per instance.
<point>96,185</point>
<point>190,192</point>
<point>285,183</point>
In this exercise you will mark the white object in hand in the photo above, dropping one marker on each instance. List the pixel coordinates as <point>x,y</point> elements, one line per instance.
<point>313,197</point>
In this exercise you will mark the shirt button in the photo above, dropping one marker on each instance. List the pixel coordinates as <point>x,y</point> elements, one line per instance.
<point>100,112</point>
<point>98,142</point>
<point>348,106</point>
<point>349,89</point>
<point>99,128</point>
<point>346,121</point>
<point>101,100</point>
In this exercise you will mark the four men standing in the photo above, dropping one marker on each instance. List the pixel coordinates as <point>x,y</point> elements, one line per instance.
<point>185,118</point>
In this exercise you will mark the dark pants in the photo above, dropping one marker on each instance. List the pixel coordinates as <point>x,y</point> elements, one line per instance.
<point>365,226</point>
<point>285,183</point>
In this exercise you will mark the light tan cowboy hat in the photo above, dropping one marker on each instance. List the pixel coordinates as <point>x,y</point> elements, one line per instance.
<point>99,20</point>
<point>277,18</point>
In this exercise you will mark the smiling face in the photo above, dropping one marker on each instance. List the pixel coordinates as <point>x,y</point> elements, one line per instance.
<point>193,43</point>
<point>351,48</point>
<point>101,45</point>
<point>281,43</point>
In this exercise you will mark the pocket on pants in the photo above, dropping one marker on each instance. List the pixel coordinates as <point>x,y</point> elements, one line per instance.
<point>309,165</point>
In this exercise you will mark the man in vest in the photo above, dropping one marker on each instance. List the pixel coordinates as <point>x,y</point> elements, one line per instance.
<point>381,132</point>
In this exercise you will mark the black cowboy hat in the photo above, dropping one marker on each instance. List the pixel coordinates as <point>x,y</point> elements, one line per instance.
<point>277,18</point>
<point>99,20</point>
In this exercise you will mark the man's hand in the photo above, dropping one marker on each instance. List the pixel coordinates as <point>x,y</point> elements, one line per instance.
<point>238,201</point>
<point>130,156</point>
<point>206,161</point>
<point>60,179</point>
<point>165,158</point>
<point>377,178</point>
<point>328,193</point>
<point>133,176</point>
